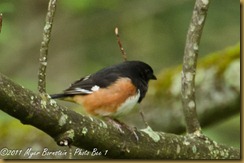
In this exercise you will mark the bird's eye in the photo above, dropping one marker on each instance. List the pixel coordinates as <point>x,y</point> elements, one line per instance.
<point>147,71</point>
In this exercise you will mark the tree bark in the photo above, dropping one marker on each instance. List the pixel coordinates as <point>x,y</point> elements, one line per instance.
<point>44,46</point>
<point>89,132</point>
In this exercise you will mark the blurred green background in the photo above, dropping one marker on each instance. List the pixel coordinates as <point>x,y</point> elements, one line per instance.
<point>83,41</point>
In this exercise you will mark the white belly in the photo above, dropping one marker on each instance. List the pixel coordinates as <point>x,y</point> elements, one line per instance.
<point>128,105</point>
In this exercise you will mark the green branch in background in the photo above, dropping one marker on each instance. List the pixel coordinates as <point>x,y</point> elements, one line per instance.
<point>217,87</point>
<point>1,21</point>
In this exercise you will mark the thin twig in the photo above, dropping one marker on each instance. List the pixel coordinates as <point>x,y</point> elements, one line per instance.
<point>1,21</point>
<point>44,46</point>
<point>189,65</point>
<point>120,44</point>
<point>143,117</point>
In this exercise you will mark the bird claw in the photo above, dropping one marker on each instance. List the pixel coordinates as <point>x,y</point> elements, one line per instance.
<point>118,125</point>
<point>133,131</point>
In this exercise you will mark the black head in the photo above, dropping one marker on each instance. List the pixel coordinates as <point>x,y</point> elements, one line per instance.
<point>140,73</point>
<point>140,70</point>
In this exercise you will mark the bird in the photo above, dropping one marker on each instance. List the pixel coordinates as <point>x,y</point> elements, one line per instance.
<point>112,91</point>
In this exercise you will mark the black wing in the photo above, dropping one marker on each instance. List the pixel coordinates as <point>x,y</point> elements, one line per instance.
<point>89,84</point>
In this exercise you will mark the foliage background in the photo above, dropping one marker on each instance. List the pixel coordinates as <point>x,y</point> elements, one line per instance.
<point>83,41</point>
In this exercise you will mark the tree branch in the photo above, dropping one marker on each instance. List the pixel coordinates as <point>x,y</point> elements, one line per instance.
<point>88,132</point>
<point>217,85</point>
<point>190,63</point>
<point>44,46</point>
<point>1,21</point>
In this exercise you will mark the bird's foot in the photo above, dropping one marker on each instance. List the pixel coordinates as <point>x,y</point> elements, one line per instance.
<point>119,125</point>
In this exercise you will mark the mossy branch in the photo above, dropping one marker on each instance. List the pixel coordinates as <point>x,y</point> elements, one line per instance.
<point>88,132</point>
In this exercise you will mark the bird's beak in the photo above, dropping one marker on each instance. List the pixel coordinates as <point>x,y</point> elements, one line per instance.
<point>153,77</point>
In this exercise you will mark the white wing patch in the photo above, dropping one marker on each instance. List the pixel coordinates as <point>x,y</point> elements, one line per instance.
<point>87,77</point>
<point>83,90</point>
<point>95,88</point>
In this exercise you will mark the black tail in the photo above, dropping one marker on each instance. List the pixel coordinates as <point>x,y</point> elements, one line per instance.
<point>61,95</point>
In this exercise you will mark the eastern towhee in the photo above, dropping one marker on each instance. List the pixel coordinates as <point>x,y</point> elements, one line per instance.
<point>112,91</point>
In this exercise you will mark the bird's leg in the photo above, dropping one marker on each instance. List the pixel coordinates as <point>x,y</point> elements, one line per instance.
<point>143,117</point>
<point>118,125</point>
